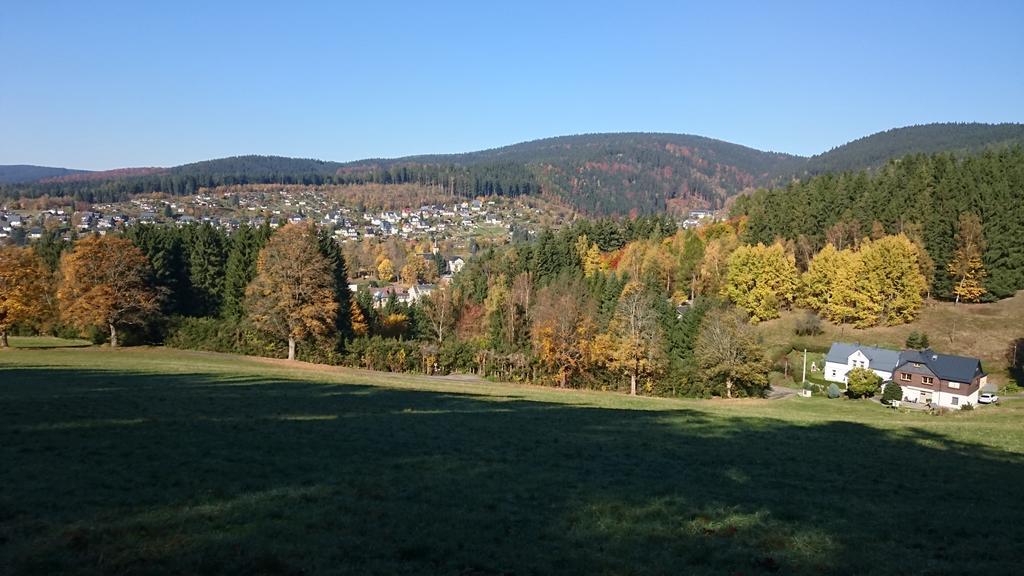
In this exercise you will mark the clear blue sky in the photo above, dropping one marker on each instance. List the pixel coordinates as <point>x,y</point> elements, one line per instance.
<point>100,85</point>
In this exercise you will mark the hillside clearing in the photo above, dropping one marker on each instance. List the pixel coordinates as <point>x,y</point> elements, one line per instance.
<point>984,331</point>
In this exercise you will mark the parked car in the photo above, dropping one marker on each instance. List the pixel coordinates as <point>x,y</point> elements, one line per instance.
<point>988,398</point>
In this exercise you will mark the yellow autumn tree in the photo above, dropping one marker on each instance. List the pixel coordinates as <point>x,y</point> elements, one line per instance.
<point>880,283</point>
<point>563,329</point>
<point>847,302</point>
<point>760,279</point>
<point>966,267</point>
<point>633,343</point>
<point>892,278</point>
<point>360,327</point>
<point>293,293</point>
<point>590,256</point>
<point>386,270</point>
<point>817,283</point>
<point>24,286</point>
<point>714,264</point>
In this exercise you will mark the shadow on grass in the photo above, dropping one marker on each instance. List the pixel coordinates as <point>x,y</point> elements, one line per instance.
<point>112,472</point>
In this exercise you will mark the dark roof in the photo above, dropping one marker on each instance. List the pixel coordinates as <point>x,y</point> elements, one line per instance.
<point>878,358</point>
<point>945,366</point>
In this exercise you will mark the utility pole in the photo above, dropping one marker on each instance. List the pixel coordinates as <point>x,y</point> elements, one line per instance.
<point>805,367</point>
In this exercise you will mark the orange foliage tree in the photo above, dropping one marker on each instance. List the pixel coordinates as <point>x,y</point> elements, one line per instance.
<point>24,288</point>
<point>292,295</point>
<point>106,282</point>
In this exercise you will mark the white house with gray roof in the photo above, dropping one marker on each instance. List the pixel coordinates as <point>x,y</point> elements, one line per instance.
<point>843,357</point>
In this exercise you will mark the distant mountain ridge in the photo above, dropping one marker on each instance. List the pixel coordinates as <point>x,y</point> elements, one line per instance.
<point>27,173</point>
<point>616,173</point>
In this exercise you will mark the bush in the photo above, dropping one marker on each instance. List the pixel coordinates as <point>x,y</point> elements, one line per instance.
<point>967,406</point>
<point>892,391</point>
<point>917,340</point>
<point>808,325</point>
<point>833,391</point>
<point>861,383</point>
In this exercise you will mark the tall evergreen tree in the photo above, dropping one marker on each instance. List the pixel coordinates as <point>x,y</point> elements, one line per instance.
<point>207,257</point>
<point>331,251</point>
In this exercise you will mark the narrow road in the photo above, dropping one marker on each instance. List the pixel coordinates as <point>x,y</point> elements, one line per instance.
<point>780,392</point>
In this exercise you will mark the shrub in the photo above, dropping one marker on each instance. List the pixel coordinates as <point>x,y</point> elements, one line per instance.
<point>967,406</point>
<point>861,382</point>
<point>892,391</point>
<point>833,391</point>
<point>917,340</point>
<point>808,325</point>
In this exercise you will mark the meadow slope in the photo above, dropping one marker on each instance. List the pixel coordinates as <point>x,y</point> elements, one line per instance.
<point>157,461</point>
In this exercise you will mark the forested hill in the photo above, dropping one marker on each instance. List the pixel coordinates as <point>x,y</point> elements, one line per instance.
<point>874,151</point>
<point>24,173</point>
<point>598,174</point>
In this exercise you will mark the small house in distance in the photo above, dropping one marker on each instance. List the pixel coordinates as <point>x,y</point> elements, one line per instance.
<point>942,380</point>
<point>843,357</point>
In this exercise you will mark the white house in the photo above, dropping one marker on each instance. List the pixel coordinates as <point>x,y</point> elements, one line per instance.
<point>456,265</point>
<point>843,357</point>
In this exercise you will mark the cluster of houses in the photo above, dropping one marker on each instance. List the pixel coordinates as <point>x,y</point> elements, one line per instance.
<point>697,217</point>
<point>925,376</point>
<point>230,210</point>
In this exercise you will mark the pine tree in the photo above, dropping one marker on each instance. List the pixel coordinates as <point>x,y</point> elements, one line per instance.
<point>331,251</point>
<point>240,268</point>
<point>207,257</point>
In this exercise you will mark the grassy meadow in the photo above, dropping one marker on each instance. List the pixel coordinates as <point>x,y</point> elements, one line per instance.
<point>154,461</point>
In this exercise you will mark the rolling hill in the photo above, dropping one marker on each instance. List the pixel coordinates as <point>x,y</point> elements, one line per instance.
<point>596,173</point>
<point>875,150</point>
<point>25,173</point>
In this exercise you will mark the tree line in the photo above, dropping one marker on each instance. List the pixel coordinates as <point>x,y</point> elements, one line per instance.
<point>622,304</point>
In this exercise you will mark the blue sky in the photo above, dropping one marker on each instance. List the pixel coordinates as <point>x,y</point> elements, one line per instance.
<point>100,85</point>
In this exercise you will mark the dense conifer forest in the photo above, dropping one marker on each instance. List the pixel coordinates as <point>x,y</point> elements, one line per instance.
<point>920,196</point>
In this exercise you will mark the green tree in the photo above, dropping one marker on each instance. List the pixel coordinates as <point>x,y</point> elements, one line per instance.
<point>862,382</point>
<point>891,392</point>
<point>331,251</point>
<point>917,340</point>
<point>730,358</point>
<point>207,257</point>
<point>240,268</point>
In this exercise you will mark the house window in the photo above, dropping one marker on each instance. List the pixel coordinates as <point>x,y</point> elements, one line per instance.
<point>833,373</point>
<point>954,385</point>
<point>927,379</point>
<point>917,364</point>
<point>955,400</point>
<point>905,377</point>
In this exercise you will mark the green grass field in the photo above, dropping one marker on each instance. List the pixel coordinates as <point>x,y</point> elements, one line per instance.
<point>153,461</point>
